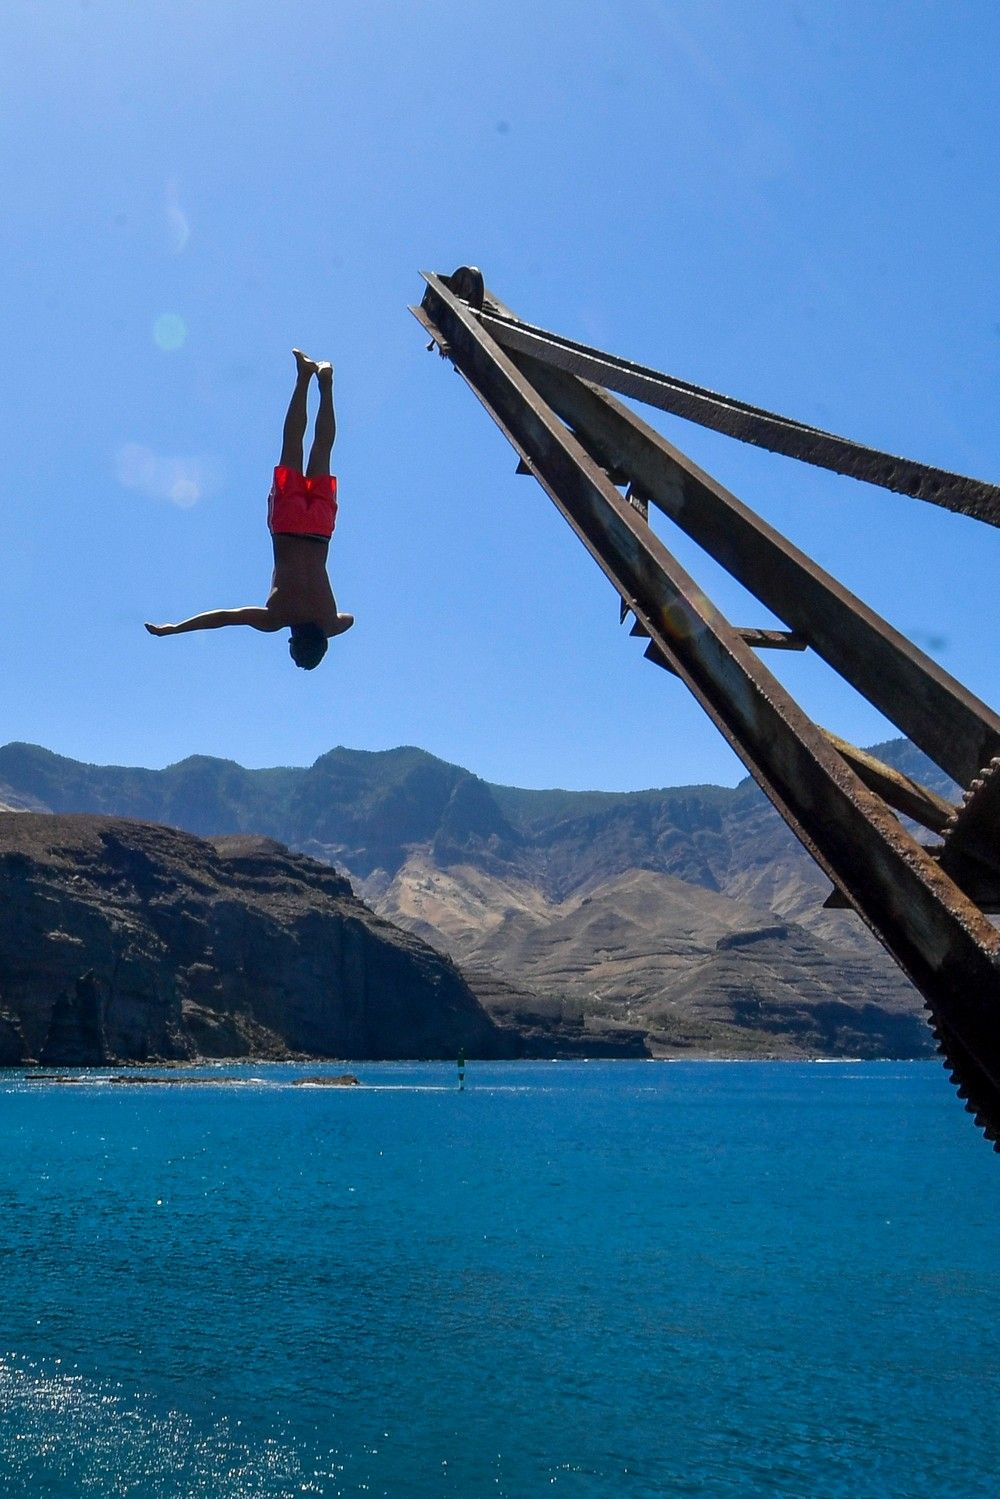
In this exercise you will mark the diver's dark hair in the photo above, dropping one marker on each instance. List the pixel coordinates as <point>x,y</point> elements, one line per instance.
<point>307,646</point>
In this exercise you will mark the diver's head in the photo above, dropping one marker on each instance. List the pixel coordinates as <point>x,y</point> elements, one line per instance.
<point>307,646</point>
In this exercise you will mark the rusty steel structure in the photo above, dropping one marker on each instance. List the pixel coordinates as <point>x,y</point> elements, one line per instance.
<point>927,903</point>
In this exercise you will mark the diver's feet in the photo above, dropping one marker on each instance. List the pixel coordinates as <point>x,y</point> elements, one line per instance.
<point>306,367</point>
<point>324,371</point>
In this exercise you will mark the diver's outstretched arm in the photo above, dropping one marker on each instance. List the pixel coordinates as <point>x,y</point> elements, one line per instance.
<point>216,619</point>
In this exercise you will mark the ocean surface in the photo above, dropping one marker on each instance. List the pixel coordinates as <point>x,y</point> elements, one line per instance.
<point>590,1279</point>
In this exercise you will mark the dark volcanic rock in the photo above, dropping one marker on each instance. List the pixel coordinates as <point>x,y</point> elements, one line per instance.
<point>75,1036</point>
<point>122,940</point>
<point>13,1050</point>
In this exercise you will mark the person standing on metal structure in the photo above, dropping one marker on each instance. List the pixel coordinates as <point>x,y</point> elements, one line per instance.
<point>301,515</point>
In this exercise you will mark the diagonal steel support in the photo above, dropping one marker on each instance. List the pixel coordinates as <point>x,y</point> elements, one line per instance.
<point>935,932</point>
<point>765,429</point>
<point>950,724</point>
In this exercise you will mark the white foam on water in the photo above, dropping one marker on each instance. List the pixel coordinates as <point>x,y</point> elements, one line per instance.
<point>408,1088</point>
<point>174,1082</point>
<point>96,1438</point>
<point>484,1089</point>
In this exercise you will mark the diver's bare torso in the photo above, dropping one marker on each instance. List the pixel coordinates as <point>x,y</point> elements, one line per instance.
<point>300,588</point>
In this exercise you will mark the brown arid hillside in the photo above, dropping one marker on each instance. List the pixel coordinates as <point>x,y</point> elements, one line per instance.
<point>682,969</point>
<point>679,921</point>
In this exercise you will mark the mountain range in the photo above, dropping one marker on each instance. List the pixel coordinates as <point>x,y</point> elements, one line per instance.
<point>678,921</point>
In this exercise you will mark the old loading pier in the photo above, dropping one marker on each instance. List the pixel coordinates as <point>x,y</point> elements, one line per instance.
<point>603,467</point>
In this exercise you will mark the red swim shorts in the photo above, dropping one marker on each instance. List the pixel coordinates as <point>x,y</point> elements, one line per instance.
<point>298,506</point>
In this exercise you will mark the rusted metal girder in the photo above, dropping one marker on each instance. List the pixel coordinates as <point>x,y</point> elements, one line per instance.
<point>900,791</point>
<point>932,928</point>
<point>761,640</point>
<point>950,724</point>
<point>765,429</point>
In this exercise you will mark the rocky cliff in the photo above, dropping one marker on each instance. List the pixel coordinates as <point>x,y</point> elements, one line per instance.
<point>121,940</point>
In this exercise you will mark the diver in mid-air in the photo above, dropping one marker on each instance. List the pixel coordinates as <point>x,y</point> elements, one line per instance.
<point>301,514</point>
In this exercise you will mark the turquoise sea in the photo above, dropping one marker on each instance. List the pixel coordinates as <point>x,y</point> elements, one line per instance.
<point>592,1279</point>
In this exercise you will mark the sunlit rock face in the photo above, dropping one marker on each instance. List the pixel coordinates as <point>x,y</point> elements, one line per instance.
<point>125,941</point>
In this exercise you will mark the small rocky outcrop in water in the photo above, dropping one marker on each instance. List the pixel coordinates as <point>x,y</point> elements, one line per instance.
<point>127,941</point>
<point>343,1080</point>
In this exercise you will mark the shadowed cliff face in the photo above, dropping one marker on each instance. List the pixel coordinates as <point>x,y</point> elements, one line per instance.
<point>687,919</point>
<point>121,940</point>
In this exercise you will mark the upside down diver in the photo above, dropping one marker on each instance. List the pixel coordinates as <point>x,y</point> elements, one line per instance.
<point>301,515</point>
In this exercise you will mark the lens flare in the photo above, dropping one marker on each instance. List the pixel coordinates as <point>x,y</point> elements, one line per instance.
<point>178,225</point>
<point>185,492</point>
<point>159,476</point>
<point>170,332</point>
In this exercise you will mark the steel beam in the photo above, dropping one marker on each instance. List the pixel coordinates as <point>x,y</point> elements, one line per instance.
<point>761,640</point>
<point>950,724</point>
<point>903,793</point>
<point>898,791</point>
<point>752,424</point>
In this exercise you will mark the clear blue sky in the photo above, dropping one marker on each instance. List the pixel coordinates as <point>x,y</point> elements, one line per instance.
<point>792,202</point>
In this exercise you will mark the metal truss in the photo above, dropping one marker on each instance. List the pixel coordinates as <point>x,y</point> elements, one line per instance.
<point>928,905</point>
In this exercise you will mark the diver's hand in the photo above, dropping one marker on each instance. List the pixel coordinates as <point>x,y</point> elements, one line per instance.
<point>161,629</point>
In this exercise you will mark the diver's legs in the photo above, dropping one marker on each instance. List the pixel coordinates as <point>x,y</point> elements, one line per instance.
<point>294,430</point>
<point>326,424</point>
